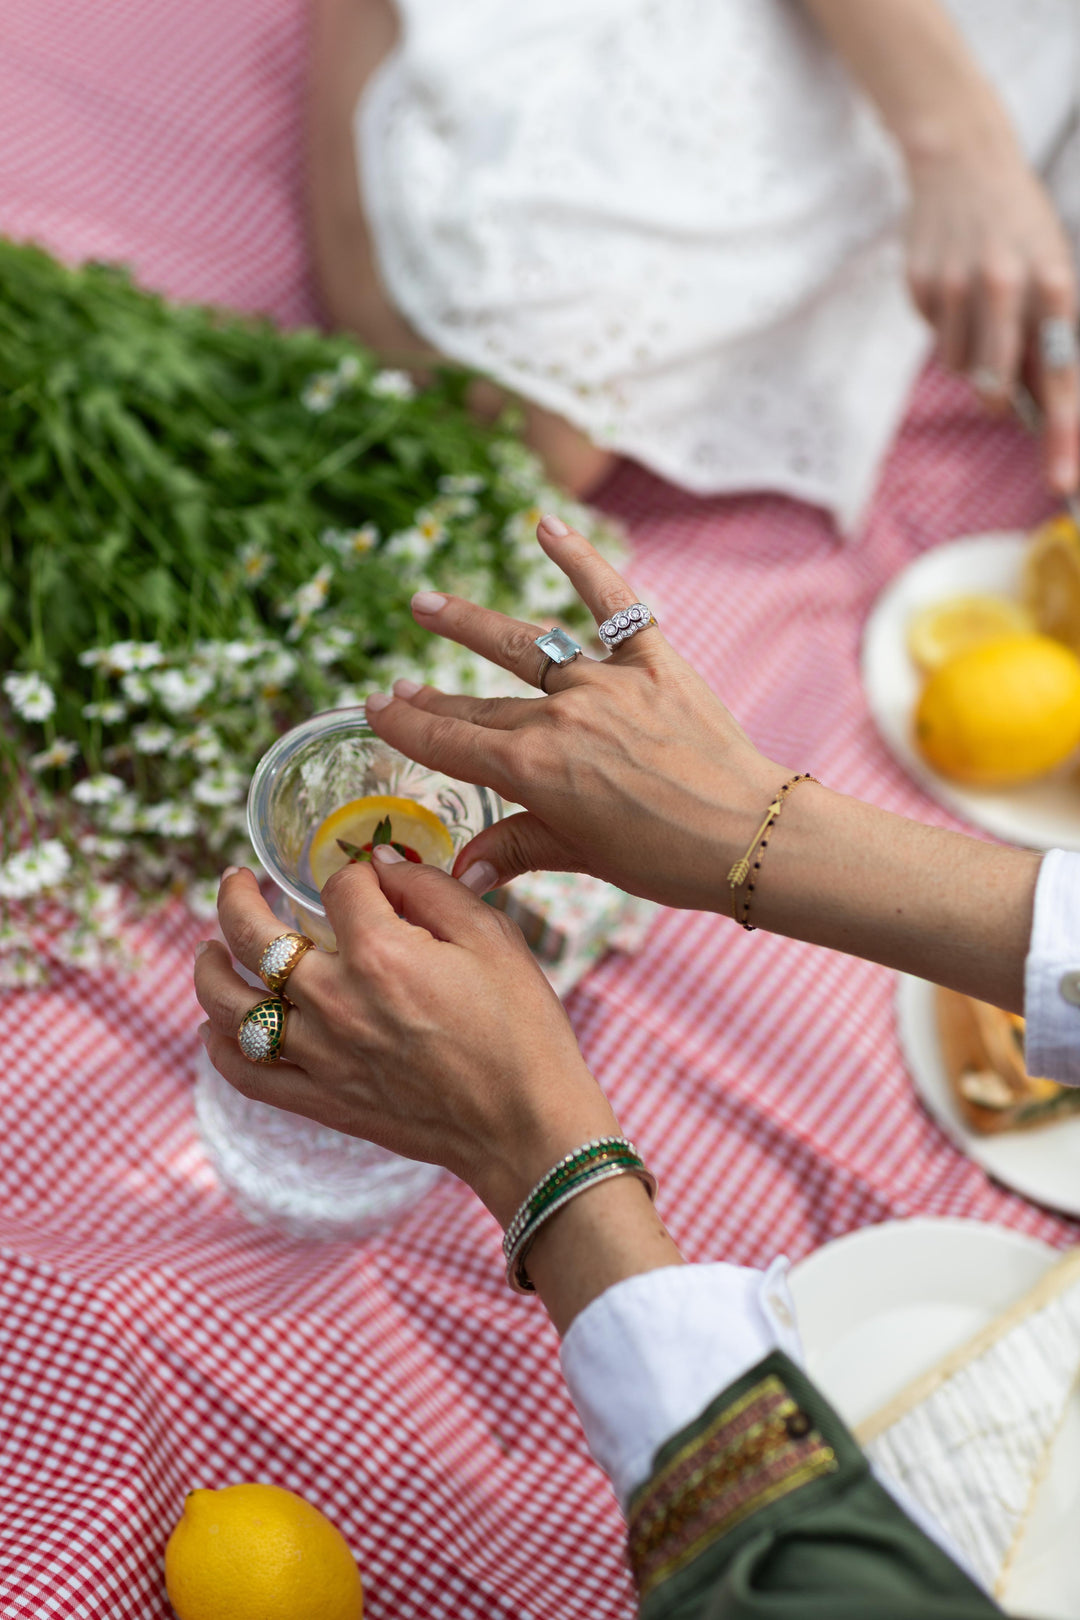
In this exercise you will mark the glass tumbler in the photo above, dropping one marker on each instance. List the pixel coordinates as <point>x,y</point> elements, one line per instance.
<point>284,1170</point>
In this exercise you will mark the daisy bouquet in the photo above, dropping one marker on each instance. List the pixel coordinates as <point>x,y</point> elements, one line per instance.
<point>210,529</point>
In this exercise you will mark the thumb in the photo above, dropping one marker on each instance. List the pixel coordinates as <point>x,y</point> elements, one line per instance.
<point>519,844</point>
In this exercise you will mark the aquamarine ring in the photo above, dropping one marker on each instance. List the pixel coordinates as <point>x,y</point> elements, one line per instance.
<point>558,648</point>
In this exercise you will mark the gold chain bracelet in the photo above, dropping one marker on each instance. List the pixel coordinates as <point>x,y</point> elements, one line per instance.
<point>751,861</point>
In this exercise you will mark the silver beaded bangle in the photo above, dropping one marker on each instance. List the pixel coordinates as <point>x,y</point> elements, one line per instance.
<point>521,1217</point>
<point>516,1275</point>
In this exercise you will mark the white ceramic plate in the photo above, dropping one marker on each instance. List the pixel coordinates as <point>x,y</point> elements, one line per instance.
<point>1044,1165</point>
<point>880,1306</point>
<point>1040,815</point>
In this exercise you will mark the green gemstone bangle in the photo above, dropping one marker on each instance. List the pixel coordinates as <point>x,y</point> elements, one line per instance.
<point>600,1148</point>
<point>516,1275</point>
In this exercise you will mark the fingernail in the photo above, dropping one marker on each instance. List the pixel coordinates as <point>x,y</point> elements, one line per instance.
<point>479,877</point>
<point>204,1033</point>
<point>428,602</point>
<point>1064,476</point>
<point>407,689</point>
<point>230,871</point>
<point>377,701</point>
<point>386,854</point>
<point>204,944</point>
<point>552,525</point>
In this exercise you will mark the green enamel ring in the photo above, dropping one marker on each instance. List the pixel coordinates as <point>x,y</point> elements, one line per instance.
<point>262,1032</point>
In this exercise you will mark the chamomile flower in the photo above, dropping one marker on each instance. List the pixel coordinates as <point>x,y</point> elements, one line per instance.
<point>123,656</point>
<point>22,970</point>
<point>110,713</point>
<point>153,737</point>
<point>203,745</point>
<point>181,690</point>
<point>351,543</point>
<point>61,752</point>
<point>99,789</point>
<point>103,849</point>
<point>460,484</point>
<point>408,546</point>
<point>202,899</point>
<point>170,819</point>
<point>255,562</point>
<point>320,392</point>
<point>219,787</point>
<point>136,689</point>
<point>305,601</point>
<point>31,697</point>
<point>431,526</point>
<point>348,368</point>
<point>392,385</point>
<point>30,871</point>
<point>276,670</point>
<point>328,647</point>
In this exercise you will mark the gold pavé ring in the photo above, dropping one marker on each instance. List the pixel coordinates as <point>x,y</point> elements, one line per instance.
<point>280,957</point>
<point>262,1030</point>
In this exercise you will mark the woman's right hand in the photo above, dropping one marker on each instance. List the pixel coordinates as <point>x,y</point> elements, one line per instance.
<point>632,769</point>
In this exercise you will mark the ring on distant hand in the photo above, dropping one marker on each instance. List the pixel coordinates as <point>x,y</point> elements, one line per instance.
<point>280,957</point>
<point>624,624</point>
<point>262,1030</point>
<point>985,380</point>
<point>558,648</point>
<point>1058,346</point>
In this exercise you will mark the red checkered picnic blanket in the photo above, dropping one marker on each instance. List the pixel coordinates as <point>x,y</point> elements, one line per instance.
<point>150,1341</point>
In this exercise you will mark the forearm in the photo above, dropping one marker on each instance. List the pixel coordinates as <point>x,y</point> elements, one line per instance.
<point>915,65</point>
<point>953,909</point>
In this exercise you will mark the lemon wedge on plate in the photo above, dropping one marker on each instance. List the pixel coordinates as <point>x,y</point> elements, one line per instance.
<point>939,632</point>
<point>417,831</point>
<point>1052,580</point>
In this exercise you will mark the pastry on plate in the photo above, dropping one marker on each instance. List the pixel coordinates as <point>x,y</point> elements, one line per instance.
<point>983,1048</point>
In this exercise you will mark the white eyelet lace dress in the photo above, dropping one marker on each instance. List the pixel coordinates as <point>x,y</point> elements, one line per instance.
<point>676,222</point>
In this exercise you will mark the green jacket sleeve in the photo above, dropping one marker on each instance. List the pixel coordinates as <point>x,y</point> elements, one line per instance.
<point>766,1509</point>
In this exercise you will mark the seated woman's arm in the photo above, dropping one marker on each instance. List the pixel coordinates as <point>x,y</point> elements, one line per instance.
<point>633,770</point>
<point>433,1032</point>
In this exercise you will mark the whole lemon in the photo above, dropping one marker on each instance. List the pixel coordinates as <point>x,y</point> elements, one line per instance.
<point>258,1552</point>
<point>1003,712</point>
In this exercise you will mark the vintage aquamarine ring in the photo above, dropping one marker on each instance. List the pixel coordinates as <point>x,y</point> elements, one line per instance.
<point>280,957</point>
<point>557,648</point>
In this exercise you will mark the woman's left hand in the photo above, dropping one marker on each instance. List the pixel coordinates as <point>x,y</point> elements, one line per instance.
<point>988,263</point>
<point>431,1031</point>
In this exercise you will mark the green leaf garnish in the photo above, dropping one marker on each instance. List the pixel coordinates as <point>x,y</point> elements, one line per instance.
<point>353,851</point>
<point>384,833</point>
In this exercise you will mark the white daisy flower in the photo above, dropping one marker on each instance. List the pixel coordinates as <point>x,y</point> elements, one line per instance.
<point>408,546</point>
<point>348,368</point>
<point>122,815</point>
<point>99,789</point>
<point>320,392</point>
<point>110,713</point>
<point>153,737</point>
<point>349,697</point>
<point>170,819</point>
<point>31,697</point>
<point>201,899</point>
<point>203,744</point>
<point>392,385</point>
<point>29,871</point>
<point>255,561</point>
<point>276,670</point>
<point>431,526</point>
<point>305,601</point>
<point>181,690</point>
<point>123,656</point>
<point>60,752</point>
<point>351,543</point>
<point>80,948</point>
<point>104,849</point>
<point>136,688</point>
<point>224,786</point>
<point>22,970</point>
<point>328,647</point>
<point>461,484</point>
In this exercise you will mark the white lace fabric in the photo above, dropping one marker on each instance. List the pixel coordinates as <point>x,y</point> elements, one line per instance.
<point>674,222</point>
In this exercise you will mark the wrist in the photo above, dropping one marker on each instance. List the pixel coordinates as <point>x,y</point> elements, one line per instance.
<point>511,1169</point>
<point>976,130</point>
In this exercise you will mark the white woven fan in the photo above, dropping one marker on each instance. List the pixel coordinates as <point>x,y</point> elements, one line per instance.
<point>971,1438</point>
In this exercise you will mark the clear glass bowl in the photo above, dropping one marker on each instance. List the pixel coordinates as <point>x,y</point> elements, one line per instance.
<point>283,1170</point>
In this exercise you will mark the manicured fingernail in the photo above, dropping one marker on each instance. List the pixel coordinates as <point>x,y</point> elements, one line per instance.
<point>386,854</point>
<point>230,871</point>
<point>407,689</point>
<point>479,877</point>
<point>552,525</point>
<point>203,945</point>
<point>204,1033</point>
<point>429,602</point>
<point>377,701</point>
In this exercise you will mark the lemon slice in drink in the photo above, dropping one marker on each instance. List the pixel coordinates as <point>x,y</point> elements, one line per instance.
<point>941,631</point>
<point>417,829</point>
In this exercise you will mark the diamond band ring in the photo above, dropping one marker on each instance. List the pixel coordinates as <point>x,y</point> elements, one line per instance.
<point>558,648</point>
<point>280,957</point>
<point>1058,346</point>
<point>262,1031</point>
<point>624,624</point>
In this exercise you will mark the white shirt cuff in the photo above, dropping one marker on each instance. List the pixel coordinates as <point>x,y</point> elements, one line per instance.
<point>646,1358</point>
<point>1052,972</point>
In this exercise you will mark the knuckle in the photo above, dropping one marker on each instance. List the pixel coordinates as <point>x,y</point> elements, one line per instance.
<point>515,645</point>
<point>243,939</point>
<point>1002,279</point>
<point>955,283</point>
<point>1057,285</point>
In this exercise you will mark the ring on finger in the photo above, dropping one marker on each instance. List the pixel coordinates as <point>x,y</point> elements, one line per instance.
<point>558,649</point>
<point>1058,347</point>
<point>280,957</point>
<point>986,380</point>
<point>624,624</point>
<point>262,1030</point>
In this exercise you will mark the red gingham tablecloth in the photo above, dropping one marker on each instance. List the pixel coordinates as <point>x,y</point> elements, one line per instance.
<point>150,1341</point>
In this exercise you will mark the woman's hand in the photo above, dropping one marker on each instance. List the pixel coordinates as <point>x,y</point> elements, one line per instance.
<point>988,261</point>
<point>432,1031</point>
<point>631,769</point>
